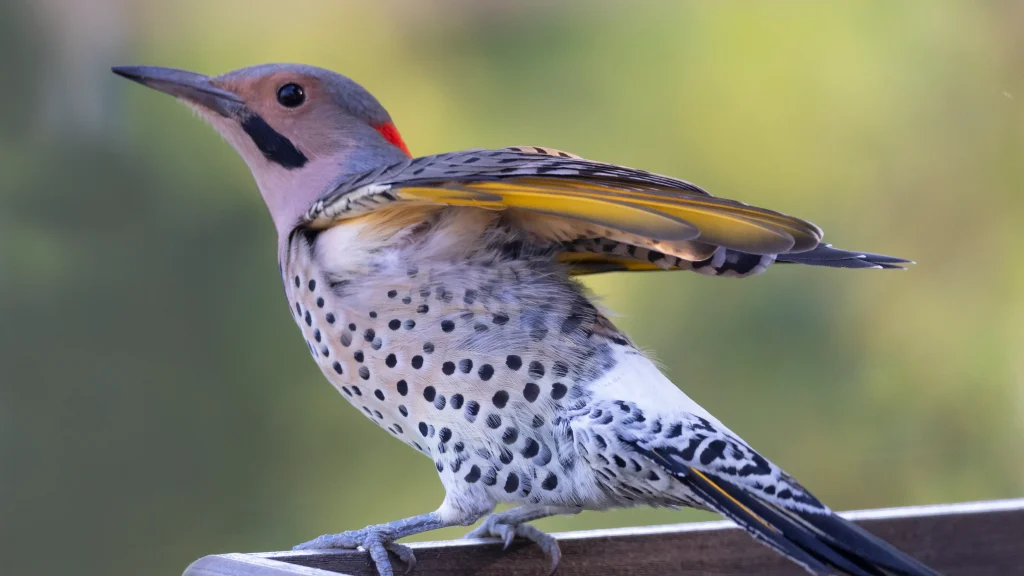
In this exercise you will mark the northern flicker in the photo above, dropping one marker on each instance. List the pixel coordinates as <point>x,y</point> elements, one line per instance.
<point>437,294</point>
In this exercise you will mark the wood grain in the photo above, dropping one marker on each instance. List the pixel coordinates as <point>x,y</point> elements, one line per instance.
<point>975,539</point>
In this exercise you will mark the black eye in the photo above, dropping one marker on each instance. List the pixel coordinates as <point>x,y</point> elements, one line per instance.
<point>291,95</point>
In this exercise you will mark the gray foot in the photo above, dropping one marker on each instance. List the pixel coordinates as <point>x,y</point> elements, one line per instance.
<point>505,528</point>
<point>377,540</point>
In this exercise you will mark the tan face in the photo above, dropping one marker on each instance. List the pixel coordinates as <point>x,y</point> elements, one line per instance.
<point>296,106</point>
<point>298,128</point>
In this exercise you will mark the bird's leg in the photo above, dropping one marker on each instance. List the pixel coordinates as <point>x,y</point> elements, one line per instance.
<point>380,538</point>
<point>508,524</point>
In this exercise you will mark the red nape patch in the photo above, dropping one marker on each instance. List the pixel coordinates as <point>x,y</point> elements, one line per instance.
<point>390,133</point>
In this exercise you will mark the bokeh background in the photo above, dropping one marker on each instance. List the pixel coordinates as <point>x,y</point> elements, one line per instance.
<point>157,403</point>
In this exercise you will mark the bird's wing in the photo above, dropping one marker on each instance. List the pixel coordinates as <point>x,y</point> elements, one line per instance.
<point>728,476</point>
<point>562,198</point>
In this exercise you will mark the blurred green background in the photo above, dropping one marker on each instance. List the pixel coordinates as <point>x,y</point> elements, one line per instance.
<point>157,403</point>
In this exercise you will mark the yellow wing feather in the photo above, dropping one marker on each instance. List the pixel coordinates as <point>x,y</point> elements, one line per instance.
<point>661,215</point>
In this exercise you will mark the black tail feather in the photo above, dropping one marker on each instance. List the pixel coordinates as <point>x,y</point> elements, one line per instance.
<point>826,255</point>
<point>757,527</point>
<point>862,543</point>
<point>820,541</point>
<point>795,530</point>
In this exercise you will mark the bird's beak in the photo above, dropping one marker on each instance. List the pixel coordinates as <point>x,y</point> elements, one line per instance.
<point>189,86</point>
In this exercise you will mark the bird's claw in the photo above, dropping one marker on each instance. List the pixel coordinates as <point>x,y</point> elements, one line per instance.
<point>374,539</point>
<point>493,527</point>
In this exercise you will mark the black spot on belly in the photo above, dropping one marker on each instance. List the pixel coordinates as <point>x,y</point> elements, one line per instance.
<point>505,456</point>
<point>423,429</point>
<point>493,420</point>
<point>456,401</point>
<point>364,372</point>
<point>558,390</point>
<point>403,387</point>
<point>491,476</point>
<point>379,394</point>
<point>619,461</point>
<point>485,372</point>
<point>510,435</point>
<point>512,482</point>
<point>403,410</point>
<point>337,367</point>
<point>369,335</point>
<point>536,369</point>
<point>473,475</point>
<point>465,365</point>
<point>500,399</point>
<point>330,318</point>
<point>531,449</point>
<point>417,362</point>
<point>550,483</point>
<point>538,421</point>
<point>308,319</point>
<point>428,393</point>
<point>358,355</point>
<point>500,319</point>
<point>395,324</point>
<point>531,391</point>
<point>514,362</point>
<point>439,402</point>
<point>447,325</point>
<point>391,361</point>
<point>428,348</point>
<point>448,368</point>
<point>472,409</point>
<point>544,457</point>
<point>444,435</point>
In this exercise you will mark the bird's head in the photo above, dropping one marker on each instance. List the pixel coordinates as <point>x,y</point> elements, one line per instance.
<point>298,128</point>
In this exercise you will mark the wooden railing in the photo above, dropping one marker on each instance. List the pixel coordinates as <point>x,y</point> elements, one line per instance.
<point>971,539</point>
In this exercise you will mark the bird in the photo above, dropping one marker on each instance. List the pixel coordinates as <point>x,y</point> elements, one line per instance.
<point>440,296</point>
